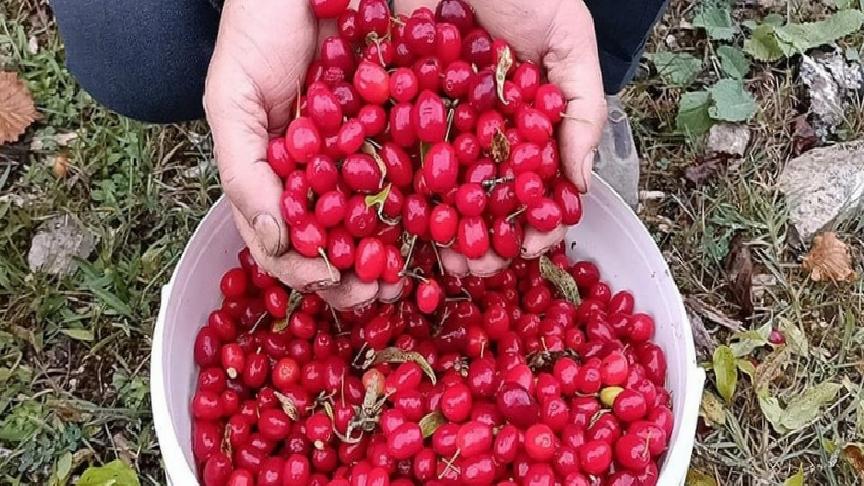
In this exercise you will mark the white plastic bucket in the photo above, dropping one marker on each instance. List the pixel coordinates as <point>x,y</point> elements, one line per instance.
<point>610,234</point>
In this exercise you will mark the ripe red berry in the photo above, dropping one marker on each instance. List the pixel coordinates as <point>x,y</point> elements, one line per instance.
<point>302,139</point>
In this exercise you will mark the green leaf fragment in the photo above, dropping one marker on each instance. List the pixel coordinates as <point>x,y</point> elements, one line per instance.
<point>807,407</point>
<point>677,69</point>
<point>763,44</point>
<point>398,355</point>
<point>733,61</point>
<point>115,473</point>
<point>430,423</point>
<point>717,21</point>
<point>711,409</point>
<point>725,372</point>
<point>797,479</point>
<point>805,36</point>
<point>562,280</point>
<point>79,334</point>
<point>693,118</point>
<point>293,302</point>
<point>731,102</point>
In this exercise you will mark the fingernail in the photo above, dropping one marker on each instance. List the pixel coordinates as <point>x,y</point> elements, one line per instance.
<point>321,285</point>
<point>269,233</point>
<point>587,164</point>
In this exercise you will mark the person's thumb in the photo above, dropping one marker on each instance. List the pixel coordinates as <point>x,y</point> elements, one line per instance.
<point>573,65</point>
<point>239,123</point>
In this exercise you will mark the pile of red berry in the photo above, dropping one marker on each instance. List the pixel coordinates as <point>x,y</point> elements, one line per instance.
<point>420,126</point>
<point>539,376</point>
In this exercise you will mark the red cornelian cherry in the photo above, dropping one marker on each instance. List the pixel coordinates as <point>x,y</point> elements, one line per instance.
<point>308,238</point>
<point>350,136</point>
<point>372,82</point>
<point>369,260</point>
<point>472,237</point>
<point>429,117</point>
<point>470,199</point>
<point>550,101</point>
<point>429,295</point>
<point>324,109</point>
<point>347,25</point>
<point>440,167</point>
<point>544,215</point>
<point>302,139</point>
<point>403,85</point>
<point>529,188</point>
<point>373,16</point>
<point>279,158</point>
<point>527,78</point>
<point>533,125</point>
<point>507,237</point>
<point>443,221</point>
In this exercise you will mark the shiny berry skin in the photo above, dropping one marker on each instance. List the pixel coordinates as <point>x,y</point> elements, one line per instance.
<point>234,283</point>
<point>631,451</point>
<point>294,209</point>
<point>481,91</point>
<point>527,78</point>
<point>206,439</point>
<point>464,117</point>
<point>405,441</point>
<point>308,238</point>
<point>443,221</point>
<point>428,72</point>
<point>529,188</point>
<point>640,328</point>
<point>456,403</point>
<point>372,82</point>
<point>488,124</point>
<point>544,215</point>
<point>347,25</point>
<point>340,249</point>
<point>274,424</point>
<point>456,12</point>
<point>206,405</point>
<point>373,16</point>
<point>595,457</point>
<point>477,48</point>
<point>350,137</point>
<point>360,219</point>
<point>540,442</point>
<point>278,157</point>
<point>217,470</point>
<point>324,109</point>
<point>321,174</point>
<point>474,438</point>
<point>302,139</point>
<point>533,125</point>
<point>429,296</point>
<point>416,214</point>
<point>420,36</point>
<point>566,196</point>
<point>472,237</point>
<point>507,238</point>
<point>206,347</point>
<point>429,117</point>
<point>440,167</point>
<point>470,199</point>
<point>296,470</point>
<point>369,260</point>
<point>517,405</point>
<point>525,157</point>
<point>241,477</point>
<point>549,100</point>
<point>402,130</point>
<point>403,85</point>
<point>256,370</point>
<point>621,303</point>
<point>361,173</point>
<point>629,406</point>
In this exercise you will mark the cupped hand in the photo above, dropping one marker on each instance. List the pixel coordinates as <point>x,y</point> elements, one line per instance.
<point>559,35</point>
<point>262,52</point>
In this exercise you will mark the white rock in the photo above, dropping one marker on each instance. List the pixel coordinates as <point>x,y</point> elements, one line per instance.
<point>823,186</point>
<point>56,245</point>
<point>728,138</point>
<point>830,81</point>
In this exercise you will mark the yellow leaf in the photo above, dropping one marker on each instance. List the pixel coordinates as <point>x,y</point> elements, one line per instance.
<point>696,477</point>
<point>829,259</point>
<point>17,110</point>
<point>797,479</point>
<point>712,410</point>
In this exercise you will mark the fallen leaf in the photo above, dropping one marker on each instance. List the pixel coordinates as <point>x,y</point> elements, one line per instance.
<point>770,368</point>
<point>797,479</point>
<point>60,166</point>
<point>739,273</point>
<point>712,410</point>
<point>712,314</point>
<point>795,338</point>
<point>562,280</point>
<point>807,407</point>
<point>725,372</point>
<point>703,340</point>
<point>704,168</point>
<point>17,110</point>
<point>115,473</point>
<point>804,136</point>
<point>854,455</point>
<point>748,341</point>
<point>731,101</point>
<point>693,118</point>
<point>430,423</point>
<point>502,67</point>
<point>772,410</point>
<point>829,259</point>
<point>696,477</point>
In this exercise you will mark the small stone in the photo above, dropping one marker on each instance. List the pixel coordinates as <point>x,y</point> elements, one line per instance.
<point>823,186</point>
<point>58,242</point>
<point>728,138</point>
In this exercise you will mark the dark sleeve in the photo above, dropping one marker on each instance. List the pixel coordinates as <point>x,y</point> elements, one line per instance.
<point>623,27</point>
<point>143,59</point>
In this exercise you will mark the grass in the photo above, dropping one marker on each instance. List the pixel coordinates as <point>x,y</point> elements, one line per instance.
<point>141,189</point>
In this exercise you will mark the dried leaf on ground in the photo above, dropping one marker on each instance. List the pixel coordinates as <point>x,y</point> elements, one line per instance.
<point>796,479</point>
<point>696,477</point>
<point>704,168</point>
<point>712,314</point>
<point>807,407</point>
<point>739,273</point>
<point>745,342</point>
<point>854,455</point>
<point>704,342</point>
<point>804,136</point>
<point>712,410</point>
<point>770,368</point>
<point>829,259</point>
<point>17,110</point>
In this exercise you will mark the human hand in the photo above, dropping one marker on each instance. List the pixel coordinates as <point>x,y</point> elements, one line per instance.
<point>559,35</point>
<point>262,52</point>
